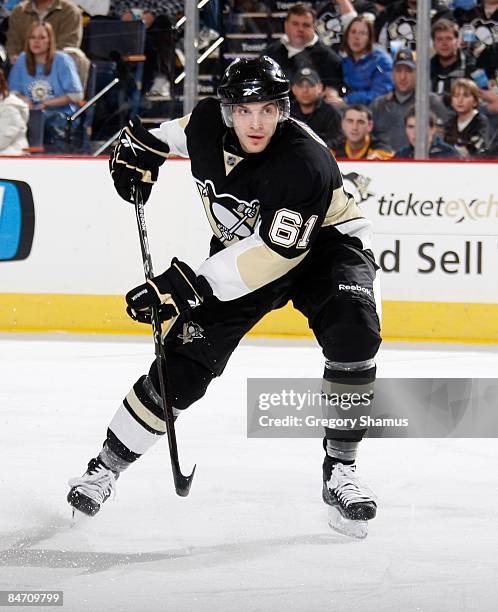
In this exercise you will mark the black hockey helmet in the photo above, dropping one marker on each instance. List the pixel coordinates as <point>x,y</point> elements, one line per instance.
<point>253,80</point>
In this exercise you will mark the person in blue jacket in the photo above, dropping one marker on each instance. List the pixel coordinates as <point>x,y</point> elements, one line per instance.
<point>367,70</point>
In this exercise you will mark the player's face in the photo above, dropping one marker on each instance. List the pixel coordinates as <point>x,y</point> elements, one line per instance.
<point>446,44</point>
<point>462,101</point>
<point>358,37</point>
<point>404,78</point>
<point>300,29</point>
<point>306,93</point>
<point>255,124</point>
<point>38,41</point>
<point>356,126</point>
<point>411,129</point>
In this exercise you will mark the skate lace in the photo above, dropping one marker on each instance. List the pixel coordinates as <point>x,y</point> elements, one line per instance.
<point>96,485</point>
<point>347,487</point>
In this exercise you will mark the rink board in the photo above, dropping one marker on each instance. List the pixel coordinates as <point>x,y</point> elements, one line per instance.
<point>69,247</point>
<point>105,314</point>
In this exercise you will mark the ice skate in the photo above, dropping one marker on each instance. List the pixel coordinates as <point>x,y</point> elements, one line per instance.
<point>351,504</point>
<point>91,490</point>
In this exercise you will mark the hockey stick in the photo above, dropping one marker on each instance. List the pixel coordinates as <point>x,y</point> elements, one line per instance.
<point>182,483</point>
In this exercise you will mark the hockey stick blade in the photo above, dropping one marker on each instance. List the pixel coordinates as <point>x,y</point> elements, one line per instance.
<point>183,483</point>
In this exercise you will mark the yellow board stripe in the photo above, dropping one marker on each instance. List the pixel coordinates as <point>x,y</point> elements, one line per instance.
<point>432,321</point>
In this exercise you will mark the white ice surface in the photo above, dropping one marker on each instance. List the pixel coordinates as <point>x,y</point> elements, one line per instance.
<point>252,534</point>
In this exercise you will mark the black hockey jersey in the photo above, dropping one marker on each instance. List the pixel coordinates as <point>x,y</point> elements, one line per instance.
<point>265,209</point>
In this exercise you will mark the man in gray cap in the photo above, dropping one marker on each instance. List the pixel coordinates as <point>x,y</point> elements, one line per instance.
<point>389,111</point>
<point>309,107</point>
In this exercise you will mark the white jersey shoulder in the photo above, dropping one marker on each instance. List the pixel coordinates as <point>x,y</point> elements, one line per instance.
<point>173,134</point>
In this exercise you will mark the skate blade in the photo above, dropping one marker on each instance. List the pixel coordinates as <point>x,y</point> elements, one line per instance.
<point>78,518</point>
<point>347,527</point>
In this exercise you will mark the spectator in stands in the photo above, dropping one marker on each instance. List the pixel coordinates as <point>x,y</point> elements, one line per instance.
<point>14,116</point>
<point>395,27</point>
<point>63,15</point>
<point>449,62</point>
<point>93,8</point>
<point>358,143</point>
<point>6,8</point>
<point>367,69</point>
<point>47,80</point>
<point>438,149</point>
<point>300,47</point>
<point>490,99</point>
<point>309,107</point>
<point>488,61</point>
<point>209,15</point>
<point>389,111</point>
<point>173,9</point>
<point>491,151</point>
<point>333,17</point>
<point>159,53</point>
<point>479,22</point>
<point>469,129</point>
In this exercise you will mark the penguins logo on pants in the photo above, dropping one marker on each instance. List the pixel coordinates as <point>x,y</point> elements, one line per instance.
<point>191,331</point>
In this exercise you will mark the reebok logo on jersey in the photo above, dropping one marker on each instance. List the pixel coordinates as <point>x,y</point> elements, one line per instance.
<point>249,91</point>
<point>354,288</point>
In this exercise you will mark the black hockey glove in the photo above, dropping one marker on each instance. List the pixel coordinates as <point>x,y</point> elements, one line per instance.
<point>136,160</point>
<point>175,291</point>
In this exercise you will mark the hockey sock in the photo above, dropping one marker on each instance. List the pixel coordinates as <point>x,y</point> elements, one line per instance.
<point>339,378</point>
<point>136,426</point>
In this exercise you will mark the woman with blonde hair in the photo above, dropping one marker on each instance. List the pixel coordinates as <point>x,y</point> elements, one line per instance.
<point>46,79</point>
<point>14,116</point>
<point>468,130</point>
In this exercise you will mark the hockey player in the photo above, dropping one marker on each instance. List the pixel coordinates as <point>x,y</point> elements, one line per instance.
<point>283,229</point>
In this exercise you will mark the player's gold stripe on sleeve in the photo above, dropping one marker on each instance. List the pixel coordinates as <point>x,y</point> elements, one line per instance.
<point>342,208</point>
<point>260,265</point>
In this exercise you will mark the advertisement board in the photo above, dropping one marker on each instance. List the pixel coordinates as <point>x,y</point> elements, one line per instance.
<point>69,247</point>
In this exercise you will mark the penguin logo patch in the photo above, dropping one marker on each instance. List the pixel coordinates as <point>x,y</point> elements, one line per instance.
<point>403,29</point>
<point>191,331</point>
<point>231,219</point>
<point>357,185</point>
<point>329,28</point>
<point>486,32</point>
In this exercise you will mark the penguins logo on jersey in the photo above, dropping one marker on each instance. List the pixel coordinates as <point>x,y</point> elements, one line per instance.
<point>230,218</point>
<point>403,29</point>
<point>329,28</point>
<point>486,32</point>
<point>191,331</point>
<point>357,185</point>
